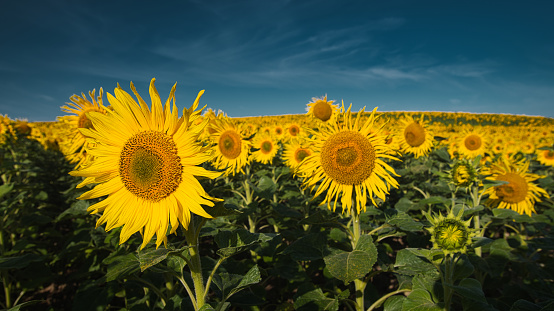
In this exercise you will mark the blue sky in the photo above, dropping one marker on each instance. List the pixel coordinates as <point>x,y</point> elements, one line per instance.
<point>271,57</point>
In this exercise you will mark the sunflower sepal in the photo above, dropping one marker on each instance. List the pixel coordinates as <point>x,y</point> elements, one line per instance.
<point>450,234</point>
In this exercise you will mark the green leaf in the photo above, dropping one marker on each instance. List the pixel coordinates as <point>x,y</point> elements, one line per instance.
<point>220,209</point>
<point>405,222</point>
<point>310,247</point>
<point>230,284</point>
<point>524,305</point>
<point>404,205</point>
<point>420,300</point>
<point>463,268</point>
<point>411,261</point>
<point>315,299</point>
<point>239,240</point>
<point>152,256</point>
<point>18,262</point>
<point>5,189</point>
<point>121,266</point>
<point>394,303</point>
<point>480,241</point>
<point>365,243</point>
<point>434,200</point>
<point>470,289</point>
<point>348,266</point>
<point>322,219</point>
<point>78,208</point>
<point>442,154</point>
<point>206,307</point>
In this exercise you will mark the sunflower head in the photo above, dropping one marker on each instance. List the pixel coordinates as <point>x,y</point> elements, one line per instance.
<point>322,109</point>
<point>414,137</point>
<point>348,161</point>
<point>230,148</point>
<point>450,234</point>
<point>463,173</point>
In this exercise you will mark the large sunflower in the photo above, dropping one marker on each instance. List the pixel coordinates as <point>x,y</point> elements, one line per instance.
<point>348,161</point>
<point>230,148</point>
<point>414,137</point>
<point>322,109</point>
<point>519,194</point>
<point>146,161</point>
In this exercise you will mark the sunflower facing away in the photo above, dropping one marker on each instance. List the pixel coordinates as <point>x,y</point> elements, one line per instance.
<point>348,161</point>
<point>146,161</point>
<point>414,137</point>
<point>520,193</point>
<point>322,109</point>
<point>230,148</point>
<point>80,106</point>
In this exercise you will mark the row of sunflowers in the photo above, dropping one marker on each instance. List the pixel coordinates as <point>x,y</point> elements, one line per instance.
<point>147,170</point>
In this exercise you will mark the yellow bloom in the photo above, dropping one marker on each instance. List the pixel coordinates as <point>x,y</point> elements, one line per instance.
<point>230,148</point>
<point>322,109</point>
<point>146,161</point>
<point>348,162</point>
<point>267,148</point>
<point>545,157</point>
<point>519,194</point>
<point>294,153</point>
<point>414,137</point>
<point>472,144</point>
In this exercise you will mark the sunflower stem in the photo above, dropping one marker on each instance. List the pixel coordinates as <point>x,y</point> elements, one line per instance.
<point>448,280</point>
<point>476,221</point>
<point>359,284</point>
<point>191,234</point>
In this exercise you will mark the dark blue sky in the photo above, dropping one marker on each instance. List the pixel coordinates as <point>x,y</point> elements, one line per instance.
<point>271,57</point>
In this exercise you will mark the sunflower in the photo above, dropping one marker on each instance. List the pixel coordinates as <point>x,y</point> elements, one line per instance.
<point>463,173</point>
<point>472,144</point>
<point>80,106</point>
<point>545,156</point>
<point>146,161</point>
<point>519,193</point>
<point>322,109</point>
<point>231,149</point>
<point>450,234</point>
<point>267,148</point>
<point>348,160</point>
<point>294,131</point>
<point>294,153</point>
<point>414,137</point>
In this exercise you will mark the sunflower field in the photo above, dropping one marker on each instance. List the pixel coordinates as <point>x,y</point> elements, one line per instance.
<point>132,204</point>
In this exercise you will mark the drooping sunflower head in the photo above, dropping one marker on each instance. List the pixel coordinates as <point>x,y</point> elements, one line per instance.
<point>146,161</point>
<point>322,109</point>
<point>450,234</point>
<point>231,149</point>
<point>518,193</point>
<point>348,160</point>
<point>415,137</point>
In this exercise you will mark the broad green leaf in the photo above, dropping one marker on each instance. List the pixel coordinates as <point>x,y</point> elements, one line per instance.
<point>314,298</point>
<point>152,256</point>
<point>405,222</point>
<point>434,200</point>
<point>18,262</point>
<point>5,188</point>
<point>524,305</point>
<point>463,268</point>
<point>470,289</point>
<point>404,205</point>
<point>412,262</point>
<point>220,209</point>
<point>310,247</point>
<point>239,240</point>
<point>229,284</point>
<point>121,266</point>
<point>78,208</point>
<point>394,303</point>
<point>420,300</point>
<point>442,154</point>
<point>365,243</point>
<point>348,266</point>
<point>319,218</point>
<point>480,241</point>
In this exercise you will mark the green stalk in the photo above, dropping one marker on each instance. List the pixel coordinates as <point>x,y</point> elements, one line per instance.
<point>359,284</point>
<point>476,221</point>
<point>448,280</point>
<point>191,234</point>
